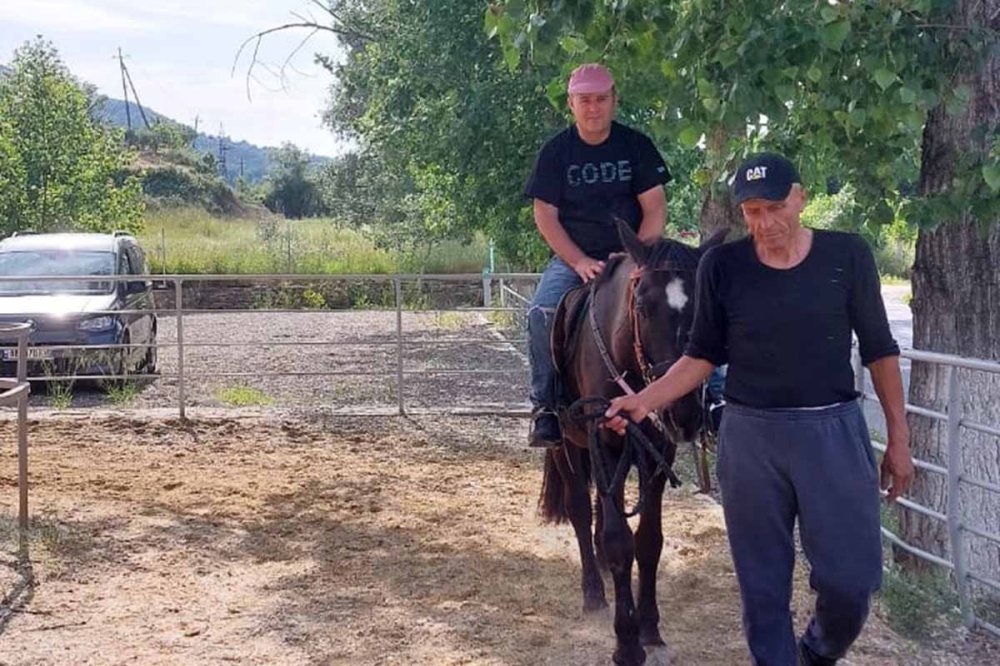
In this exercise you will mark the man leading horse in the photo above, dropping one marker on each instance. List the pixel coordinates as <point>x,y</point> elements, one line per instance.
<point>780,307</point>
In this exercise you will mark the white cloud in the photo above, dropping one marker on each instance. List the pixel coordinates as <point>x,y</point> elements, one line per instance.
<point>180,55</point>
<point>249,14</point>
<point>42,16</point>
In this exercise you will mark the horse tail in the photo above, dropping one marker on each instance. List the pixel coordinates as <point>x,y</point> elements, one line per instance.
<point>552,502</point>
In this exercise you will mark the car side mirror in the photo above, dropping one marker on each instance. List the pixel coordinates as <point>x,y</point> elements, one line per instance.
<point>135,287</point>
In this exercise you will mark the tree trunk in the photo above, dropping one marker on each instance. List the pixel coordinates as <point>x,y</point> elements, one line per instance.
<point>718,211</point>
<point>956,310</point>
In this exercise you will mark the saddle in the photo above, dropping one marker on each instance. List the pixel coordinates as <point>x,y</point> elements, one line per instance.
<point>568,321</point>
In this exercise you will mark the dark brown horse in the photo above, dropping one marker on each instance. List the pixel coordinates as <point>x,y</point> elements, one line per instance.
<point>628,327</point>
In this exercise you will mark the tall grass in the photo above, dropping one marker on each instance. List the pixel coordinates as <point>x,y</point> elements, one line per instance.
<point>190,241</point>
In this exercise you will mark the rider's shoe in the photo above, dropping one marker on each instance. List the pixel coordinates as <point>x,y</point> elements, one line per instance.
<point>545,431</point>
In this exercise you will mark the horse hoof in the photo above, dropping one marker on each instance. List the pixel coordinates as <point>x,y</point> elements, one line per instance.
<point>629,656</point>
<point>659,656</point>
<point>650,637</point>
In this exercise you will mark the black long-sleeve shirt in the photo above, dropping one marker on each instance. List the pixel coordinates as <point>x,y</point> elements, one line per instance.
<point>786,333</point>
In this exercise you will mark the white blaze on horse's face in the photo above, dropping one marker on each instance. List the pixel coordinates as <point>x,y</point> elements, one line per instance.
<point>676,297</point>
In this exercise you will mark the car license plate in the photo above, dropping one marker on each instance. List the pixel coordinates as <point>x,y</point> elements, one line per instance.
<point>34,353</point>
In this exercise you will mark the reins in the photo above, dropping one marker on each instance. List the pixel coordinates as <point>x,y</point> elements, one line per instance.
<point>591,410</point>
<point>610,486</point>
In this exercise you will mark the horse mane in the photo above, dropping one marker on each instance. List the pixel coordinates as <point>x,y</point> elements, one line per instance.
<point>614,260</point>
<point>666,250</point>
<point>685,257</point>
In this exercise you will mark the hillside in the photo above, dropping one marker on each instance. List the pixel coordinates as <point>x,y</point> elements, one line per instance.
<point>242,158</point>
<point>255,160</point>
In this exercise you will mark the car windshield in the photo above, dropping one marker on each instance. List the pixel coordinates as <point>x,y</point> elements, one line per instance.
<point>27,263</point>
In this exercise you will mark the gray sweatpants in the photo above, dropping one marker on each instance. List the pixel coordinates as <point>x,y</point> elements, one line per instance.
<point>778,464</point>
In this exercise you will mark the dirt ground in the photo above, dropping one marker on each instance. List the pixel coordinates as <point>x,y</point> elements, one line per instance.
<point>336,541</point>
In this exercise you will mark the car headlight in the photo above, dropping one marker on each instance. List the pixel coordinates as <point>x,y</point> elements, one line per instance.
<point>97,324</point>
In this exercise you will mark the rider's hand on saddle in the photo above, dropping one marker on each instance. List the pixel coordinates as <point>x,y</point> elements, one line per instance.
<point>588,268</point>
<point>632,405</point>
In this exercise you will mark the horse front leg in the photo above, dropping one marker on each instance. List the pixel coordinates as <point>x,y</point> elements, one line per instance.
<point>618,547</point>
<point>648,547</point>
<point>577,495</point>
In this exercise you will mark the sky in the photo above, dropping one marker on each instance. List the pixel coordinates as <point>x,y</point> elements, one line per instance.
<point>180,55</point>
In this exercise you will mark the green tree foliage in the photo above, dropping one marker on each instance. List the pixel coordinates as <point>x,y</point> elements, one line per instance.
<point>844,86</point>
<point>447,134</point>
<point>249,192</point>
<point>291,188</point>
<point>164,135</point>
<point>59,170</point>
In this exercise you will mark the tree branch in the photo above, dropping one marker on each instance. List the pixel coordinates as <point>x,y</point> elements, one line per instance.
<point>315,27</point>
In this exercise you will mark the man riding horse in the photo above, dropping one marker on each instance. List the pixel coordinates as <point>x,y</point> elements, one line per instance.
<point>585,177</point>
<point>598,189</point>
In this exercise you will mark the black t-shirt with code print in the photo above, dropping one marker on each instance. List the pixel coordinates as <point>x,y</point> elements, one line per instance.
<point>592,185</point>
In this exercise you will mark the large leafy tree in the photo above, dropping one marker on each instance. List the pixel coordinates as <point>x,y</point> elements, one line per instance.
<point>843,86</point>
<point>59,169</point>
<point>446,134</point>
<point>956,291</point>
<point>446,131</point>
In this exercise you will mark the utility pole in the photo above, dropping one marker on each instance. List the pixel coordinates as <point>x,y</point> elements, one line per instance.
<point>196,119</point>
<point>136,96</point>
<point>128,77</point>
<point>223,171</point>
<point>128,114</point>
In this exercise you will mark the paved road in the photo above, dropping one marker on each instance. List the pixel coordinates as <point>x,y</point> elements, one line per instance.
<point>901,323</point>
<point>900,318</point>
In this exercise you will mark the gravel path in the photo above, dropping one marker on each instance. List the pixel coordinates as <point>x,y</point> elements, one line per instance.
<point>493,371</point>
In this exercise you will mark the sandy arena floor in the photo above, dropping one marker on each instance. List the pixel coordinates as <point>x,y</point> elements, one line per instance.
<point>333,541</point>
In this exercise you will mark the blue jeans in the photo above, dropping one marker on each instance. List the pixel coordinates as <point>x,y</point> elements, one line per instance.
<point>557,278</point>
<point>717,383</point>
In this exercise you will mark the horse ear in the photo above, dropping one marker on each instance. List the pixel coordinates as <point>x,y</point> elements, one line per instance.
<point>716,238</point>
<point>635,247</point>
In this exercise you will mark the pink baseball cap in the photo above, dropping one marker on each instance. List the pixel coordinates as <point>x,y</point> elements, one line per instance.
<point>590,78</point>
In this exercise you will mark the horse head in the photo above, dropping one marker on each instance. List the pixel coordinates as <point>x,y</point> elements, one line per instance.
<point>661,311</point>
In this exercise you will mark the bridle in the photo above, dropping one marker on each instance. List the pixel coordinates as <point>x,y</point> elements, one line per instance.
<point>650,370</point>
<point>610,484</point>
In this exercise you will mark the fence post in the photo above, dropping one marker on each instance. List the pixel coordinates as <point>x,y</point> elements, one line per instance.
<point>397,288</point>
<point>487,288</point>
<point>163,251</point>
<point>179,310</point>
<point>22,432</point>
<point>503,294</point>
<point>954,509</point>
